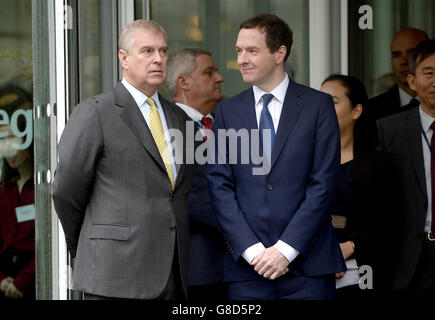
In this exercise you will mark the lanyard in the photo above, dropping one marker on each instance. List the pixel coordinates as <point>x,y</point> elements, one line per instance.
<point>428,144</point>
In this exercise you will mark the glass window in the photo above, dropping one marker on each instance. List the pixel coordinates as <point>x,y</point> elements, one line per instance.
<point>92,48</point>
<point>17,194</point>
<point>214,26</point>
<point>369,50</point>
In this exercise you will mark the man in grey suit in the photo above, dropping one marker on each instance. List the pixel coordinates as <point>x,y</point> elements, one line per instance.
<point>407,139</point>
<point>119,193</point>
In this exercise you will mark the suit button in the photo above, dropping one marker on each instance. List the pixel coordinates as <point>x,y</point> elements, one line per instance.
<point>269,187</point>
<point>173,228</point>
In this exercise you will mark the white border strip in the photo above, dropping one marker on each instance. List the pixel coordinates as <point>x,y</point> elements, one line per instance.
<point>60,278</point>
<point>125,13</point>
<point>344,45</point>
<point>320,40</point>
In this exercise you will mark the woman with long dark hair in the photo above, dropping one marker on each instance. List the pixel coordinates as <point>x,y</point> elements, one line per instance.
<point>17,215</point>
<point>357,210</point>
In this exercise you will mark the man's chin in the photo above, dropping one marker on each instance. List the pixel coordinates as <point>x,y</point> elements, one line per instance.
<point>247,79</point>
<point>156,82</point>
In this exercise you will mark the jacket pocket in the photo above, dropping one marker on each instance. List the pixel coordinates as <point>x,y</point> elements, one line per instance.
<point>113,232</point>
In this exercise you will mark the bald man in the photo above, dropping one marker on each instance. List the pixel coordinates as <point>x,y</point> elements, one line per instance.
<point>398,98</point>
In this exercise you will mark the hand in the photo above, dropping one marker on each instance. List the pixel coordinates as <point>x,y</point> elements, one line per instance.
<point>271,263</point>
<point>347,249</point>
<point>339,275</point>
<point>13,292</point>
<point>4,284</point>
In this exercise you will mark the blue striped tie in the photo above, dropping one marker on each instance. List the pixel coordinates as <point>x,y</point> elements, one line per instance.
<point>266,122</point>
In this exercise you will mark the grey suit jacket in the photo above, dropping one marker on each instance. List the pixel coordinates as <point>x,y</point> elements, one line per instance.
<point>400,139</point>
<point>115,201</point>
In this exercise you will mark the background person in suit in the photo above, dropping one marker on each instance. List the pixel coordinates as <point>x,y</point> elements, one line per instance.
<point>277,224</point>
<point>120,196</point>
<point>400,94</point>
<point>361,202</point>
<point>407,139</point>
<point>195,86</point>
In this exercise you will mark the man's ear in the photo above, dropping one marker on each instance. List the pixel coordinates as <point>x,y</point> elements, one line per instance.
<point>280,54</point>
<point>411,81</point>
<point>122,56</point>
<point>183,82</point>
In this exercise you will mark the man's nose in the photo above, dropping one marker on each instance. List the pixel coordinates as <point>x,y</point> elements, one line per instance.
<point>158,57</point>
<point>219,78</point>
<point>241,58</point>
<point>404,59</point>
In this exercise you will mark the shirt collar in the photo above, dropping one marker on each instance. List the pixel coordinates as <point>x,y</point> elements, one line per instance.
<point>138,95</point>
<point>193,114</point>
<point>405,98</point>
<point>278,93</point>
<point>426,120</point>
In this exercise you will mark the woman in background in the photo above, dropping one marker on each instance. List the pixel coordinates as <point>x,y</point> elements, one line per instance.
<point>17,217</point>
<point>358,211</point>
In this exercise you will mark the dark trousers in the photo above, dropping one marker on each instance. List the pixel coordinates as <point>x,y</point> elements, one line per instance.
<point>12,261</point>
<point>355,293</point>
<point>422,284</point>
<point>287,287</point>
<point>211,292</point>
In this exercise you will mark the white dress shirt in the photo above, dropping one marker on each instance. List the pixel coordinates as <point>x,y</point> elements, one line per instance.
<point>195,115</point>
<point>275,108</point>
<point>405,98</point>
<point>426,121</point>
<point>144,108</point>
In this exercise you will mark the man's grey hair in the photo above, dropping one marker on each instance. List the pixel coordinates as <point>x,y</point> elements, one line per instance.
<point>126,39</point>
<point>182,62</point>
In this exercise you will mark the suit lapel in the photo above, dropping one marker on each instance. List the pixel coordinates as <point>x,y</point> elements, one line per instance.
<point>247,111</point>
<point>133,118</point>
<point>174,122</point>
<point>290,111</point>
<point>395,98</point>
<point>412,136</point>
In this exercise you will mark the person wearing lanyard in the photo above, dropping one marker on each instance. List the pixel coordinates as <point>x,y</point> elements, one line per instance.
<point>409,143</point>
<point>17,219</point>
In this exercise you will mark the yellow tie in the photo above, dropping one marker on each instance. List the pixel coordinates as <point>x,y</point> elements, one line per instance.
<point>159,138</point>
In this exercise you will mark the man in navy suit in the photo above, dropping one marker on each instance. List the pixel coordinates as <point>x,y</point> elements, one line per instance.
<point>195,86</point>
<point>276,223</point>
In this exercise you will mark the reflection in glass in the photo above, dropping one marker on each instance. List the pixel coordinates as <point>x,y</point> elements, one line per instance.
<point>214,26</point>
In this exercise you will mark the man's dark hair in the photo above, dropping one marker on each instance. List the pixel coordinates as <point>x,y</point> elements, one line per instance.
<point>277,32</point>
<point>423,50</point>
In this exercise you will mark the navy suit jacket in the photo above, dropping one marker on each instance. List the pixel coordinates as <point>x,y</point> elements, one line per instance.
<point>207,247</point>
<point>292,203</point>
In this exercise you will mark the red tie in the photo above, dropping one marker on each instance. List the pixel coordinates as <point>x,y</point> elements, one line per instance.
<point>207,123</point>
<point>432,172</point>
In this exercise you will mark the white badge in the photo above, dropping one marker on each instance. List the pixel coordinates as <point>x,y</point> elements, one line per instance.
<point>25,213</point>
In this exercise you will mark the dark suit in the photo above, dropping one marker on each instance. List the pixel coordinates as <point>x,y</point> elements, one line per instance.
<point>400,138</point>
<point>292,203</point>
<point>115,201</point>
<point>388,103</point>
<point>207,247</point>
<point>365,199</point>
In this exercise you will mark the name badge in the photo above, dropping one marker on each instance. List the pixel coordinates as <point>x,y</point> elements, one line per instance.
<point>25,213</point>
